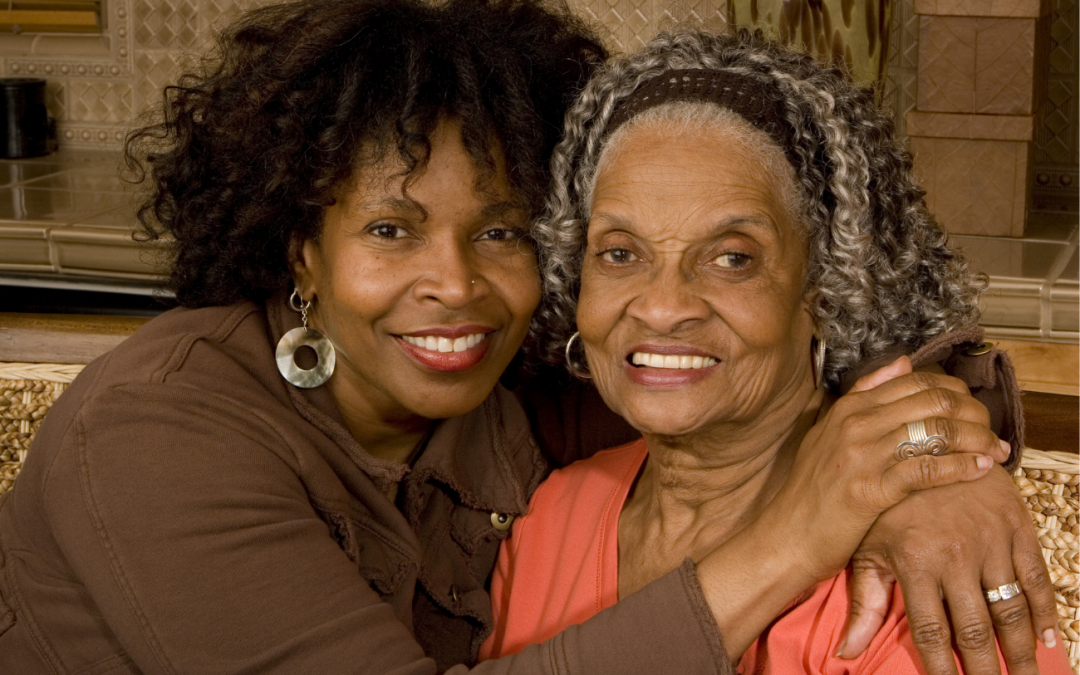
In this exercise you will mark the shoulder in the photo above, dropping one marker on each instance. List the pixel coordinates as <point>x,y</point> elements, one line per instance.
<point>189,381</point>
<point>214,351</point>
<point>583,490</point>
<point>592,479</point>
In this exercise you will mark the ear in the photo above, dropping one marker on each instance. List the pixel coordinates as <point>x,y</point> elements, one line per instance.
<point>305,262</point>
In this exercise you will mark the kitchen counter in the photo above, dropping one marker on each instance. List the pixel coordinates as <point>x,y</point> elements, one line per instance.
<point>67,219</point>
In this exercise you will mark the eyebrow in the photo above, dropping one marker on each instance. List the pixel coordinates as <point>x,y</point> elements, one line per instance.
<point>499,208</point>
<point>490,210</point>
<point>622,223</point>
<point>396,203</point>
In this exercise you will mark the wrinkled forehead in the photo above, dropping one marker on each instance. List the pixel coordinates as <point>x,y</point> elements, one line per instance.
<point>711,128</point>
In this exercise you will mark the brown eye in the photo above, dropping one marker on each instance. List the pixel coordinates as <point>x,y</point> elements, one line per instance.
<point>618,255</point>
<point>732,260</point>
<point>385,230</point>
<point>502,234</point>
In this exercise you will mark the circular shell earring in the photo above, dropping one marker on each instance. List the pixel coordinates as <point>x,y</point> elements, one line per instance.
<point>292,341</point>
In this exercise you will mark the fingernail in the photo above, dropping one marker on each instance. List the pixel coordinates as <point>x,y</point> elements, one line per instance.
<point>1005,447</point>
<point>1049,637</point>
<point>983,462</point>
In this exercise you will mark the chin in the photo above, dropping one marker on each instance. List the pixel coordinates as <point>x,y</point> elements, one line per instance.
<point>439,405</point>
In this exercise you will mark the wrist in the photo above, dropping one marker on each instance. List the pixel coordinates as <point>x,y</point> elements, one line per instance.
<point>752,578</point>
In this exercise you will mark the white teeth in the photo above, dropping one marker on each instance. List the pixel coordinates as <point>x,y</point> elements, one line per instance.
<point>672,362</point>
<point>441,344</point>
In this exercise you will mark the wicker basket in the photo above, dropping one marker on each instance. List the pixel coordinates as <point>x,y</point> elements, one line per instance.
<point>27,391</point>
<point>1047,480</point>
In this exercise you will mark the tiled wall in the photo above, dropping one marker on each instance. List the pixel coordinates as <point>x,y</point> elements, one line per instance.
<point>97,86</point>
<point>94,98</point>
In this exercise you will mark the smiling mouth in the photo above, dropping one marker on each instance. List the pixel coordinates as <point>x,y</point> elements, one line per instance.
<point>671,361</point>
<point>434,343</point>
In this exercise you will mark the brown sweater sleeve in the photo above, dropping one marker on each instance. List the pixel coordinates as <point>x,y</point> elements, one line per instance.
<point>985,369</point>
<point>666,627</point>
<point>198,547</point>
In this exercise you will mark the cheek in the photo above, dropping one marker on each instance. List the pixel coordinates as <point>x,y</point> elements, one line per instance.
<point>591,316</point>
<point>774,320</point>
<point>516,283</point>
<point>523,287</point>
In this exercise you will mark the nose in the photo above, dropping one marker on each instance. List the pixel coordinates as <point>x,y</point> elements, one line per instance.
<point>668,301</point>
<point>450,277</point>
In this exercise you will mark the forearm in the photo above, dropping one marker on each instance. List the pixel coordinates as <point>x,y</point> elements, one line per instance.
<point>751,579</point>
<point>665,627</point>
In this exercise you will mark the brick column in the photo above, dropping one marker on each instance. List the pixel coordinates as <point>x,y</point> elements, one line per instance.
<point>981,75</point>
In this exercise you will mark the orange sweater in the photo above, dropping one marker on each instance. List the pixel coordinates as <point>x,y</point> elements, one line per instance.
<point>561,566</point>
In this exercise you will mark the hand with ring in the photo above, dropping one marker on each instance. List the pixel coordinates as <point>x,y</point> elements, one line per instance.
<point>871,428</point>
<point>971,573</point>
<point>919,443</point>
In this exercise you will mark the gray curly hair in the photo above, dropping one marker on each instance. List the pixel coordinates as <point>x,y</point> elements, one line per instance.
<point>880,275</point>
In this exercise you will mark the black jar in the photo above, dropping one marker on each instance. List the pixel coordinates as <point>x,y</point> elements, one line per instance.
<point>27,129</point>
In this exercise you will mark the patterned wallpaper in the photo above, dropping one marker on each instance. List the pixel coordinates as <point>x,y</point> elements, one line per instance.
<point>95,98</point>
<point>1056,144</point>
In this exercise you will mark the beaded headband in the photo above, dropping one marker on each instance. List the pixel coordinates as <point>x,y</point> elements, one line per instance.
<point>757,100</point>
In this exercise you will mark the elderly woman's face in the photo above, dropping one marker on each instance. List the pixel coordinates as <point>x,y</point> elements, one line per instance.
<point>691,308</point>
<point>427,295</point>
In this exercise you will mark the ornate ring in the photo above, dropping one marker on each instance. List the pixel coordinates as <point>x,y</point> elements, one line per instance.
<point>1002,592</point>
<point>919,443</point>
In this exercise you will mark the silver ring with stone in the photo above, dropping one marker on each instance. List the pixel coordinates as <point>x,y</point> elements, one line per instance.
<point>919,443</point>
<point>1002,592</point>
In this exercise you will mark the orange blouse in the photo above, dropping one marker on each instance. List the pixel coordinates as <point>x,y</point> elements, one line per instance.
<point>561,566</point>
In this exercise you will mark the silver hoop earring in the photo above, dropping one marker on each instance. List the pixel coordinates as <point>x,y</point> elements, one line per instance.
<point>292,341</point>
<point>574,368</point>
<point>817,348</point>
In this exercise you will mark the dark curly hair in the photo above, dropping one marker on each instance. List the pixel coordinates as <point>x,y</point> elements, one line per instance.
<point>249,152</point>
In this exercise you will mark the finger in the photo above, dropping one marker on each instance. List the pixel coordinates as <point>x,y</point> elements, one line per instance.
<point>936,402</point>
<point>972,625</point>
<point>901,366</point>
<point>871,587</point>
<point>1034,578</point>
<point>910,384</point>
<point>957,436</point>
<point>1015,634</point>
<point>926,471</point>
<point>928,625</point>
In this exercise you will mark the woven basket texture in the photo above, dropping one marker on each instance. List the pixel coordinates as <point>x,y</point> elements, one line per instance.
<point>1047,481</point>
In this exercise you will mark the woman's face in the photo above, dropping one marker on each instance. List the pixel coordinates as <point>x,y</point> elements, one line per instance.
<point>691,308</point>
<point>427,296</point>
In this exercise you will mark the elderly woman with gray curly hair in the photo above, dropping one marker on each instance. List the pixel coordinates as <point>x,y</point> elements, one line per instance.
<point>734,230</point>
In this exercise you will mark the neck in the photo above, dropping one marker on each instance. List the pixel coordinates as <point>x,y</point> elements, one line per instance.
<point>386,436</point>
<point>696,492</point>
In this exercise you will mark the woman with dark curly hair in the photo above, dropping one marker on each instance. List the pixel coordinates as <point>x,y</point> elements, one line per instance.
<point>732,230</point>
<point>309,467</point>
